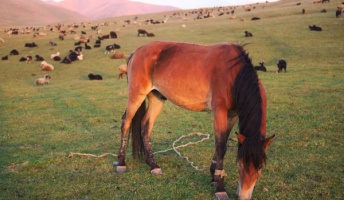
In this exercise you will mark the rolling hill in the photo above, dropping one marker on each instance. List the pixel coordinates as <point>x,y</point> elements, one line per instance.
<point>35,12</point>
<point>110,8</point>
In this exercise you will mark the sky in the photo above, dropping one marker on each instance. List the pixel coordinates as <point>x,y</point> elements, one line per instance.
<point>191,4</point>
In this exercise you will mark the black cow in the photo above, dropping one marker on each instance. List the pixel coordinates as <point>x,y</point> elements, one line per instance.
<point>315,28</point>
<point>282,65</point>
<point>95,76</point>
<point>14,52</point>
<point>261,67</point>
<point>22,59</point>
<point>5,57</point>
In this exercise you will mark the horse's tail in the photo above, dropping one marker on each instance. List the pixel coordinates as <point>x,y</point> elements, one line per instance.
<point>136,130</point>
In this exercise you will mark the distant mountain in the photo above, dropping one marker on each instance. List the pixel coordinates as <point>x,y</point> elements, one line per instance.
<point>35,12</point>
<point>98,9</point>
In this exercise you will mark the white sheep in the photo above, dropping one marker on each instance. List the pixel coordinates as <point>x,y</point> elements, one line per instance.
<point>43,81</point>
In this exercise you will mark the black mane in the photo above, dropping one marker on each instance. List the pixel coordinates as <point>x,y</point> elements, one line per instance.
<point>248,102</point>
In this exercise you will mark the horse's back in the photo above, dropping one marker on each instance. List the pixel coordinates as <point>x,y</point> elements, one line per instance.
<point>184,73</point>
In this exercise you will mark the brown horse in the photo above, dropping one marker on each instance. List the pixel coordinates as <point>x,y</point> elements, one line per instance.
<point>218,78</point>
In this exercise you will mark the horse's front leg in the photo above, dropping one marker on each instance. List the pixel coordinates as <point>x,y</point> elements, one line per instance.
<point>154,108</point>
<point>231,122</point>
<point>221,137</point>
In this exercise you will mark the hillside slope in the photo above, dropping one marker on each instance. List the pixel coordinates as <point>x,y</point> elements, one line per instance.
<point>35,12</point>
<point>111,8</point>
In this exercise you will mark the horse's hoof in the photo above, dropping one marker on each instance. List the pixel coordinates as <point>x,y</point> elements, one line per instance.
<point>221,195</point>
<point>156,171</point>
<point>213,184</point>
<point>121,169</point>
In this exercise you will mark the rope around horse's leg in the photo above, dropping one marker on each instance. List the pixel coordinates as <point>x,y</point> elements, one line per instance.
<point>174,147</point>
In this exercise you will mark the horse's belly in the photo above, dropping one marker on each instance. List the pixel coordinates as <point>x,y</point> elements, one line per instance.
<point>191,97</point>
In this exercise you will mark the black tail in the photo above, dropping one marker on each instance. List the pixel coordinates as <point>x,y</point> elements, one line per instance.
<point>136,130</point>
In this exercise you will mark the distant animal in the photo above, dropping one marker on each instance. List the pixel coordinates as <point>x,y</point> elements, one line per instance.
<point>39,58</point>
<point>261,67</point>
<point>14,52</point>
<point>338,13</point>
<point>123,70</point>
<point>248,34</point>
<point>5,57</point>
<point>255,18</point>
<point>303,11</point>
<point>96,45</point>
<point>315,28</point>
<point>118,56</point>
<point>46,66</point>
<point>150,35</point>
<point>92,76</point>
<point>111,48</point>
<point>281,65</point>
<point>113,34</point>
<point>43,81</point>
<point>87,47</point>
<point>2,40</point>
<point>141,32</point>
<point>31,45</point>
<point>323,10</point>
<point>105,37</point>
<point>57,58</point>
<point>52,56</point>
<point>67,60</point>
<point>78,48</point>
<point>80,56</point>
<point>22,59</point>
<point>28,59</point>
<point>52,43</point>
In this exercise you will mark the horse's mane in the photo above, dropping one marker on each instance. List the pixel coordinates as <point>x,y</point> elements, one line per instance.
<point>248,102</point>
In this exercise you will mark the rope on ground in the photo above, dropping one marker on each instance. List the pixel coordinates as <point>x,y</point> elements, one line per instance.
<point>174,148</point>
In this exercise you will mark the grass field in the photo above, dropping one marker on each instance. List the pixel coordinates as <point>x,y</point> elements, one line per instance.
<point>41,125</point>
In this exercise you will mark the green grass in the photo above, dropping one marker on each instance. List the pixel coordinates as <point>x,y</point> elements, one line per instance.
<point>40,126</point>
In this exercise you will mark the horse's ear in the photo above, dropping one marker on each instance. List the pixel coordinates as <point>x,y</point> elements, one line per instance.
<point>268,141</point>
<point>241,137</point>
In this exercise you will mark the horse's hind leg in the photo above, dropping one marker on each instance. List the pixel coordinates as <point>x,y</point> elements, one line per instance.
<point>154,108</point>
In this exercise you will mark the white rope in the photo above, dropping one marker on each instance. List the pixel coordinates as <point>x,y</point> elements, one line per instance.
<point>174,147</point>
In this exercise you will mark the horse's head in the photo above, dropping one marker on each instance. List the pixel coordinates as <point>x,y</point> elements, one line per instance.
<point>250,169</point>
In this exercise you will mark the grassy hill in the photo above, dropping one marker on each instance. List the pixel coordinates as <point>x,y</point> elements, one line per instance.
<point>40,126</point>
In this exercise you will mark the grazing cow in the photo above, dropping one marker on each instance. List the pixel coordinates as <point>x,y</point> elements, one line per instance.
<point>150,35</point>
<point>118,56</point>
<point>141,32</point>
<point>248,34</point>
<point>39,58</point>
<point>5,57</point>
<point>83,32</point>
<point>94,27</point>
<point>92,76</point>
<point>43,81</point>
<point>281,65</point>
<point>261,67</point>
<point>14,52</point>
<point>28,59</point>
<point>105,37</point>
<point>255,18</point>
<point>111,48</point>
<point>46,66</point>
<point>123,70</point>
<point>113,34</point>
<point>31,45</point>
<point>315,28</point>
